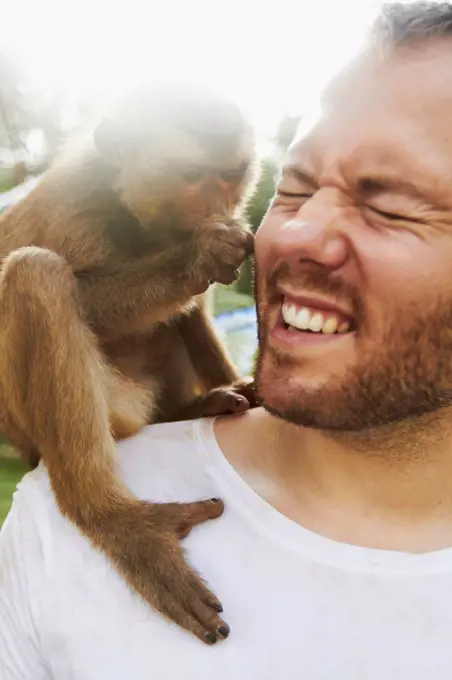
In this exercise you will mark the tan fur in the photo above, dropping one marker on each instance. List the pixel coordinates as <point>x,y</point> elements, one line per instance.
<point>103,327</point>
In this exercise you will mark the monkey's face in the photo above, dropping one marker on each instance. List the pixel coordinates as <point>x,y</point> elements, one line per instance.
<point>185,159</point>
<point>183,195</point>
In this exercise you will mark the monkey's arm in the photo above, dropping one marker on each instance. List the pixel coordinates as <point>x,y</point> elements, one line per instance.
<point>207,352</point>
<point>114,297</point>
<point>55,397</point>
<point>213,385</point>
<point>150,288</point>
<point>210,358</point>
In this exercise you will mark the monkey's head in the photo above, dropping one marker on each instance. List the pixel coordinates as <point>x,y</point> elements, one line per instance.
<point>184,156</point>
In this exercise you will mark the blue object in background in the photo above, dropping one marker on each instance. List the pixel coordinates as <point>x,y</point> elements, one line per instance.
<point>238,329</point>
<point>14,195</point>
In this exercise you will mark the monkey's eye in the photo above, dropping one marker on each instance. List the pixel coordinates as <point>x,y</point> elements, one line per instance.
<point>230,176</point>
<point>234,175</point>
<point>193,175</point>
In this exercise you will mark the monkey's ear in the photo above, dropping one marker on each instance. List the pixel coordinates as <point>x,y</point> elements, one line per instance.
<point>107,141</point>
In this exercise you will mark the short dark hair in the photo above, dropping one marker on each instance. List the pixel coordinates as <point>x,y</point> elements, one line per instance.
<point>401,23</point>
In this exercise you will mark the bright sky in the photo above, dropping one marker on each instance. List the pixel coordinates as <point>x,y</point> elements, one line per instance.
<point>272,56</point>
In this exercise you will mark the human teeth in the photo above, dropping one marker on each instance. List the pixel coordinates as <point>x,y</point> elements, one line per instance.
<point>330,325</point>
<point>302,318</point>
<point>316,322</point>
<point>308,319</point>
<point>298,318</point>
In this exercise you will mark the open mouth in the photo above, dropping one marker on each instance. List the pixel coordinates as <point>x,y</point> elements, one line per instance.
<point>311,321</point>
<point>298,318</point>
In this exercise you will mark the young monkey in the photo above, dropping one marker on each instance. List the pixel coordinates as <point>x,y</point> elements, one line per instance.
<point>102,325</point>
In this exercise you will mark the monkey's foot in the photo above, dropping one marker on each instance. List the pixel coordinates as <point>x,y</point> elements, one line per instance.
<point>246,388</point>
<point>236,398</point>
<point>221,401</point>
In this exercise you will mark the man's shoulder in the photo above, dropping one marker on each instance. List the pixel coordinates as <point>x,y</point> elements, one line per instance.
<point>167,461</point>
<point>154,440</point>
<point>163,462</point>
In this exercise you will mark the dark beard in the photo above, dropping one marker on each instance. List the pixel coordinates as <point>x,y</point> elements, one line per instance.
<point>404,374</point>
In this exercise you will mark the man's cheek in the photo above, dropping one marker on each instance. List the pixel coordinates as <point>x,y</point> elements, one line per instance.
<point>264,246</point>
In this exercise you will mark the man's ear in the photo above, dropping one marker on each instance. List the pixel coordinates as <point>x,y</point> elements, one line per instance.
<point>108,142</point>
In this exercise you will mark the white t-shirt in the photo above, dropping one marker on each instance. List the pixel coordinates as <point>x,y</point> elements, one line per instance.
<point>299,605</point>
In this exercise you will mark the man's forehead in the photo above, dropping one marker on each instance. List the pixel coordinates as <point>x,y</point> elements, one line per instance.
<point>422,69</point>
<point>378,109</point>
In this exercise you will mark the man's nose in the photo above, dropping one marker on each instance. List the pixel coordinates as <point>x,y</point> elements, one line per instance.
<point>312,235</point>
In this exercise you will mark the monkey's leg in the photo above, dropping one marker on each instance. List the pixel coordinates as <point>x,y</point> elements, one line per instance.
<point>52,383</point>
<point>208,355</point>
<point>226,391</point>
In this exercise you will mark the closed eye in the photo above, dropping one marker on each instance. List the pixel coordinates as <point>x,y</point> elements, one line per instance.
<point>288,194</point>
<point>388,215</point>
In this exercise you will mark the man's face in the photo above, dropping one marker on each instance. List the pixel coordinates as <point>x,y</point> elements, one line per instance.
<point>357,246</point>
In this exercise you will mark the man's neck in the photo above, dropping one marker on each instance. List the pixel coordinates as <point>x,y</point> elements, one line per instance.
<point>389,488</point>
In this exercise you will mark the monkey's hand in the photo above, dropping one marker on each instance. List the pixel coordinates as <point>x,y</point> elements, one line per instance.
<point>150,556</point>
<point>219,250</point>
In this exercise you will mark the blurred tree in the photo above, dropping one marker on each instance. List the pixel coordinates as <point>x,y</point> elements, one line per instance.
<point>260,201</point>
<point>256,210</point>
<point>34,120</point>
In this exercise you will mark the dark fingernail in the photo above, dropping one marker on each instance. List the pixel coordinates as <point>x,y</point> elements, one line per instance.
<point>210,637</point>
<point>224,631</point>
<point>215,500</point>
<point>217,606</point>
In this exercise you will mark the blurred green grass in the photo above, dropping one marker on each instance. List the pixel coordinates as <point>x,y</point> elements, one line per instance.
<point>11,472</point>
<point>226,299</point>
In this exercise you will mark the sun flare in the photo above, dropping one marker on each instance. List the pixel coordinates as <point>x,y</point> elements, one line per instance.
<point>271,58</point>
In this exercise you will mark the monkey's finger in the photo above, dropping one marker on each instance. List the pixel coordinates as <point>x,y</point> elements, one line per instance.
<point>188,515</point>
<point>213,623</point>
<point>246,388</point>
<point>208,629</point>
<point>202,593</point>
<point>200,511</point>
<point>249,242</point>
<point>230,256</point>
<point>191,604</point>
<point>206,606</point>
<point>237,236</point>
